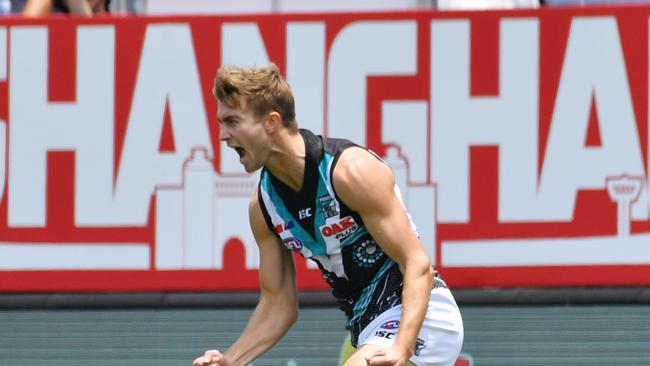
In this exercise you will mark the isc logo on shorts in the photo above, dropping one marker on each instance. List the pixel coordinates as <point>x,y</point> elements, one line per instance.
<point>384,334</point>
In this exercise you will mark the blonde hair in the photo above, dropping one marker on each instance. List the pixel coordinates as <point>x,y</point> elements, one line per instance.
<point>263,88</point>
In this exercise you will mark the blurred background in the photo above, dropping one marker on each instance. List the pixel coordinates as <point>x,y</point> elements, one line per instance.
<point>171,7</point>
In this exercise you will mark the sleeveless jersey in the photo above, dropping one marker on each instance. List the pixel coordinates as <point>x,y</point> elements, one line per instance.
<point>317,224</point>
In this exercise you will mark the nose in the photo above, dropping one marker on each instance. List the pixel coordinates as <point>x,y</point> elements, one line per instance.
<point>223,133</point>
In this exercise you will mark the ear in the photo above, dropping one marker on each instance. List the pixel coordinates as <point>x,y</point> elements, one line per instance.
<point>273,122</point>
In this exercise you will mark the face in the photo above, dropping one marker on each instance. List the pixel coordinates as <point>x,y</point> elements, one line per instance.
<point>245,134</point>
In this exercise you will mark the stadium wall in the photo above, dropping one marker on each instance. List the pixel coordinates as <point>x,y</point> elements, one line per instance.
<point>519,140</point>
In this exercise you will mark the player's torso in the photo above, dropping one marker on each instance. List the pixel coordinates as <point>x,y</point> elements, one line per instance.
<point>315,222</point>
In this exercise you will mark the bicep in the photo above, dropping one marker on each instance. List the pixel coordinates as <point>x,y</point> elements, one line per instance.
<point>389,224</point>
<point>367,186</point>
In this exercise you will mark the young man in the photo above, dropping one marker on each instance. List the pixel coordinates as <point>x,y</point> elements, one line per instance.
<point>337,204</point>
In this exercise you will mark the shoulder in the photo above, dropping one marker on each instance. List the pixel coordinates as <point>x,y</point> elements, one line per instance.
<point>358,165</point>
<point>335,146</point>
<point>359,176</point>
<point>256,216</point>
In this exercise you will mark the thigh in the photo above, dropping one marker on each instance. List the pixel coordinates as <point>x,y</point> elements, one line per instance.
<point>358,358</point>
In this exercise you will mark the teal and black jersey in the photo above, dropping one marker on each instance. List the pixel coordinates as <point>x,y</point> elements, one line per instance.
<point>317,224</point>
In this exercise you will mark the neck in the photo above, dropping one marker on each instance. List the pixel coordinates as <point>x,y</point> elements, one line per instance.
<point>287,161</point>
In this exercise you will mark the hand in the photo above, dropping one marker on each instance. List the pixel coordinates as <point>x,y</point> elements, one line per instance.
<point>211,358</point>
<point>393,356</point>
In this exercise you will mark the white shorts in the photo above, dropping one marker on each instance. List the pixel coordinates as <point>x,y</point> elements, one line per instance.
<point>440,338</point>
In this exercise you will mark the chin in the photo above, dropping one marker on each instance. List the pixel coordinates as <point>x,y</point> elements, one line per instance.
<point>251,168</point>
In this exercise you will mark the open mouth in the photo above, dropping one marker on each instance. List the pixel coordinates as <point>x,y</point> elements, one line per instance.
<point>240,151</point>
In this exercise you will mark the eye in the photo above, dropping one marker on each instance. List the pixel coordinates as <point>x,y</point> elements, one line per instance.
<point>228,122</point>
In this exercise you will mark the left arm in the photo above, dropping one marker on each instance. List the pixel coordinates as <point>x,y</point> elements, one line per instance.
<point>366,185</point>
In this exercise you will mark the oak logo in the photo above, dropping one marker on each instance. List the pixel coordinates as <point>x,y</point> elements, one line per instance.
<point>341,229</point>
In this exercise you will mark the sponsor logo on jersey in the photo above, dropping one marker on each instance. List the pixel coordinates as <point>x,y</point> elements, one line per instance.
<point>341,229</point>
<point>284,226</point>
<point>292,243</point>
<point>391,324</point>
<point>327,206</point>
<point>304,213</point>
<point>367,253</point>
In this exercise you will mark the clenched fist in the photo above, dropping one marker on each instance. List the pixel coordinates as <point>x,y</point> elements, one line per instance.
<point>211,358</point>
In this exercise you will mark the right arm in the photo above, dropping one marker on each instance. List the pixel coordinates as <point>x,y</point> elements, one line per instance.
<point>277,309</point>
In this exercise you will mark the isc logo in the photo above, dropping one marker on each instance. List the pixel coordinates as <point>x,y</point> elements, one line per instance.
<point>384,334</point>
<point>304,213</point>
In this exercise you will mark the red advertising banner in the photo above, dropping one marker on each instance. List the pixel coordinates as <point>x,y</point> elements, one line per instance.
<point>519,140</point>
